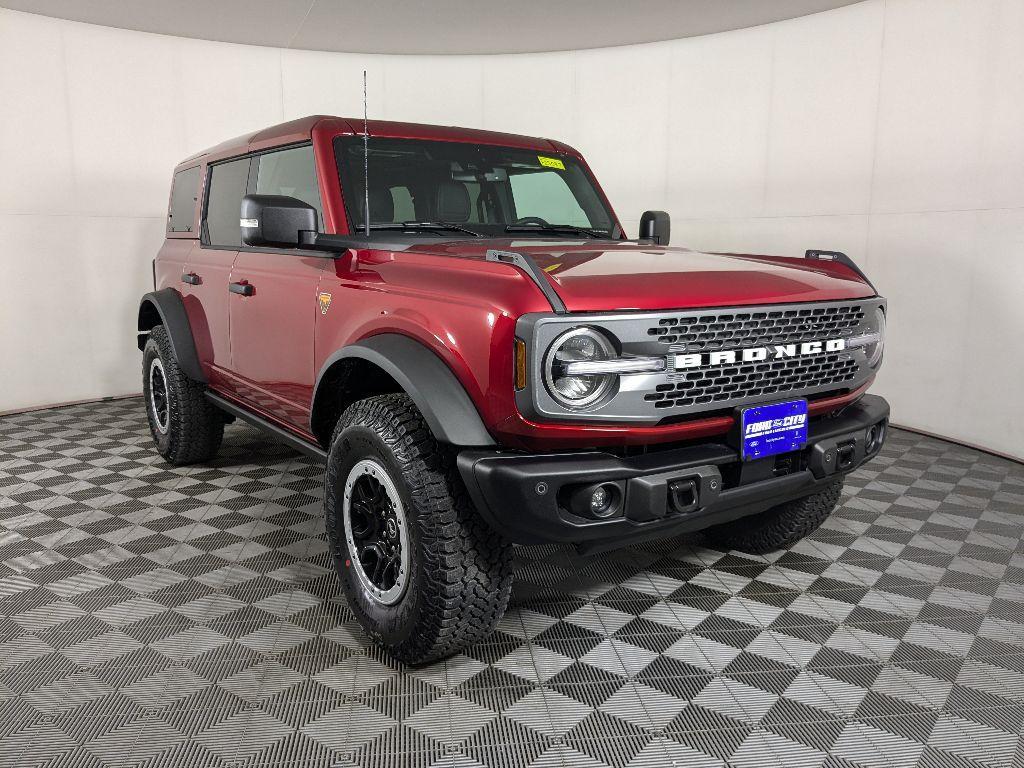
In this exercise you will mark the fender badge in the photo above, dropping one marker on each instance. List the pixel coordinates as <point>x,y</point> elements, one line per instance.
<point>325,303</point>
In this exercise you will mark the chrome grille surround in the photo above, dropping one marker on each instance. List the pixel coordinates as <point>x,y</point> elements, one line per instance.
<point>669,395</point>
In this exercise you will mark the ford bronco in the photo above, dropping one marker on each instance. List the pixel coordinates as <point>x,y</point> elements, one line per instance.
<point>457,324</point>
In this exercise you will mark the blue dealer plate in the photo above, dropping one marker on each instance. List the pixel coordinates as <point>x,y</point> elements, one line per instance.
<point>770,429</point>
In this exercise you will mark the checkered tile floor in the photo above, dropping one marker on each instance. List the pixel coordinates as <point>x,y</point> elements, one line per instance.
<point>189,617</point>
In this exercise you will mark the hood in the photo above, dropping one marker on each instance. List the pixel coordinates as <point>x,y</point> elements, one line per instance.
<point>601,276</point>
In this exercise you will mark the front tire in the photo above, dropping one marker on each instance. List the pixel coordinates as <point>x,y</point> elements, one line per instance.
<point>186,427</point>
<point>779,527</point>
<point>422,572</point>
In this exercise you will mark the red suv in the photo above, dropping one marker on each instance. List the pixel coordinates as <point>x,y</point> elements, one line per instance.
<point>457,324</point>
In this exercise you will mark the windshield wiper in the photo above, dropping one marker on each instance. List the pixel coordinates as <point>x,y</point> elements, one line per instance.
<point>558,229</point>
<point>428,226</point>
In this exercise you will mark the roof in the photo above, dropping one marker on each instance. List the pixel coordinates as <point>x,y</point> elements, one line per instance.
<point>302,130</point>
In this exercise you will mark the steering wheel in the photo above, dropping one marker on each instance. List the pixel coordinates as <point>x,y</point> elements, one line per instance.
<point>533,220</point>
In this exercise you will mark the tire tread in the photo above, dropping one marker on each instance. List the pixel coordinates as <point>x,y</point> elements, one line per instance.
<point>779,527</point>
<point>467,566</point>
<point>195,425</point>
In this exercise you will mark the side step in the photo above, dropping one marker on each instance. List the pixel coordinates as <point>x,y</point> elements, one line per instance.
<point>283,435</point>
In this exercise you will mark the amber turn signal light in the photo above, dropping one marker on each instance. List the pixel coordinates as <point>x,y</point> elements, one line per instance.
<point>520,364</point>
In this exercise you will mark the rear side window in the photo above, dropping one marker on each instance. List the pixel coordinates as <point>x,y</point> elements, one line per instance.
<point>184,193</point>
<point>292,173</point>
<point>224,202</point>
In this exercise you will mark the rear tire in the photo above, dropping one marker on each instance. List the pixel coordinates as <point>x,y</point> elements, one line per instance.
<point>445,577</point>
<point>186,427</point>
<point>779,527</point>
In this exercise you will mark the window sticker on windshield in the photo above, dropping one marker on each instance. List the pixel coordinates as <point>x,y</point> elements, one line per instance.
<point>551,162</point>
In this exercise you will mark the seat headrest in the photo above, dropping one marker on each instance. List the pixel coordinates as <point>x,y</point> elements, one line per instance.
<point>453,202</point>
<point>382,206</point>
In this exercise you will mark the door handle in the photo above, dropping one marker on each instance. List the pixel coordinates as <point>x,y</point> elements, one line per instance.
<point>191,278</point>
<point>242,289</point>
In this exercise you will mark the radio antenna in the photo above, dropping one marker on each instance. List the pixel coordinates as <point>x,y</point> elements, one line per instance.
<point>366,165</point>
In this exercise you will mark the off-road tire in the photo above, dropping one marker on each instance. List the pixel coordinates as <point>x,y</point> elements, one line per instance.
<point>460,574</point>
<point>779,527</point>
<point>195,427</point>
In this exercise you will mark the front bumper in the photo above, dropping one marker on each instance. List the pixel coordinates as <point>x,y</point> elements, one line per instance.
<point>535,499</point>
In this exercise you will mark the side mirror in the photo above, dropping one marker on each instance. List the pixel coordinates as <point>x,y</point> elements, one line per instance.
<point>276,220</point>
<point>656,226</point>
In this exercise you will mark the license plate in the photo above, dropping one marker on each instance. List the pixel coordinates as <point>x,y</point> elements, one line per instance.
<point>770,429</point>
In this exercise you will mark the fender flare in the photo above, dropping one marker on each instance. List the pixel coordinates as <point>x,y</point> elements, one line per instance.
<point>433,387</point>
<point>171,309</point>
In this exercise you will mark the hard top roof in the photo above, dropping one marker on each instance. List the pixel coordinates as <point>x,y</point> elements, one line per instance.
<point>302,130</point>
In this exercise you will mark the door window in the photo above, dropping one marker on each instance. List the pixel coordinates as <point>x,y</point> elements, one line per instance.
<point>292,173</point>
<point>224,203</point>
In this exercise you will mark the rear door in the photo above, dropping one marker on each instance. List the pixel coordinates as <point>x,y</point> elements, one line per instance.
<point>206,277</point>
<point>272,327</point>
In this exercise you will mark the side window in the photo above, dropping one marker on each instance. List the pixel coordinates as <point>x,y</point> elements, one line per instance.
<point>184,193</point>
<point>545,194</point>
<point>290,172</point>
<point>224,202</point>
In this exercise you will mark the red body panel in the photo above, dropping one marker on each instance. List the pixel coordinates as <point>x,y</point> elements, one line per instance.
<point>266,350</point>
<point>601,276</point>
<point>207,307</point>
<point>272,333</point>
<point>170,262</point>
<point>463,310</point>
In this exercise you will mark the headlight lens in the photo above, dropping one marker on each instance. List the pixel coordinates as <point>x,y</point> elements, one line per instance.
<point>577,345</point>
<point>874,351</point>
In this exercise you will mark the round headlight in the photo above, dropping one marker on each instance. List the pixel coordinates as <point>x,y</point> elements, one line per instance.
<point>576,346</point>
<point>874,350</point>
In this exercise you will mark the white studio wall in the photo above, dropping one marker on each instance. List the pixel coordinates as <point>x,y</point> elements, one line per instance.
<point>889,129</point>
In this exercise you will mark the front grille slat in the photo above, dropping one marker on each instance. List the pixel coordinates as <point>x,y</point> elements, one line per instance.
<point>730,330</point>
<point>723,385</point>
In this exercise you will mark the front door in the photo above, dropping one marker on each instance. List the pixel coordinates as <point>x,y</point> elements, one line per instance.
<point>273,309</point>
<point>272,332</point>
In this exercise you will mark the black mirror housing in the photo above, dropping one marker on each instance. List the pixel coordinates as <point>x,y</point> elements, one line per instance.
<point>656,226</point>
<point>276,220</point>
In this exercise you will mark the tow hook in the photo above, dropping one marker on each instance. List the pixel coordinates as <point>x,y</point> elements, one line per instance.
<point>683,495</point>
<point>845,454</point>
<point>679,492</point>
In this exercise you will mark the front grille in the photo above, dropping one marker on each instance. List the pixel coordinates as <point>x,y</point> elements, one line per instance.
<point>721,384</point>
<point>712,386</point>
<point>734,329</point>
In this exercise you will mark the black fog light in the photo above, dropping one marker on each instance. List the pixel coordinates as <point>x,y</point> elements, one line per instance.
<point>875,437</point>
<point>596,501</point>
<point>600,501</point>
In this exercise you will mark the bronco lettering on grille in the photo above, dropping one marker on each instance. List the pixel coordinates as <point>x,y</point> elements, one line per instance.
<point>758,354</point>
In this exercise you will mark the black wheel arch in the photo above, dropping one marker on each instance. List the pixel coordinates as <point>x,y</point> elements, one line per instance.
<point>166,308</point>
<point>392,362</point>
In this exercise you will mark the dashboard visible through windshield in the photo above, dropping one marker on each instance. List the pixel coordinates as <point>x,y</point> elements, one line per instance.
<point>442,187</point>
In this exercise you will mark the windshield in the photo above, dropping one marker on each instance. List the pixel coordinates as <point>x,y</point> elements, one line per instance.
<point>470,188</point>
